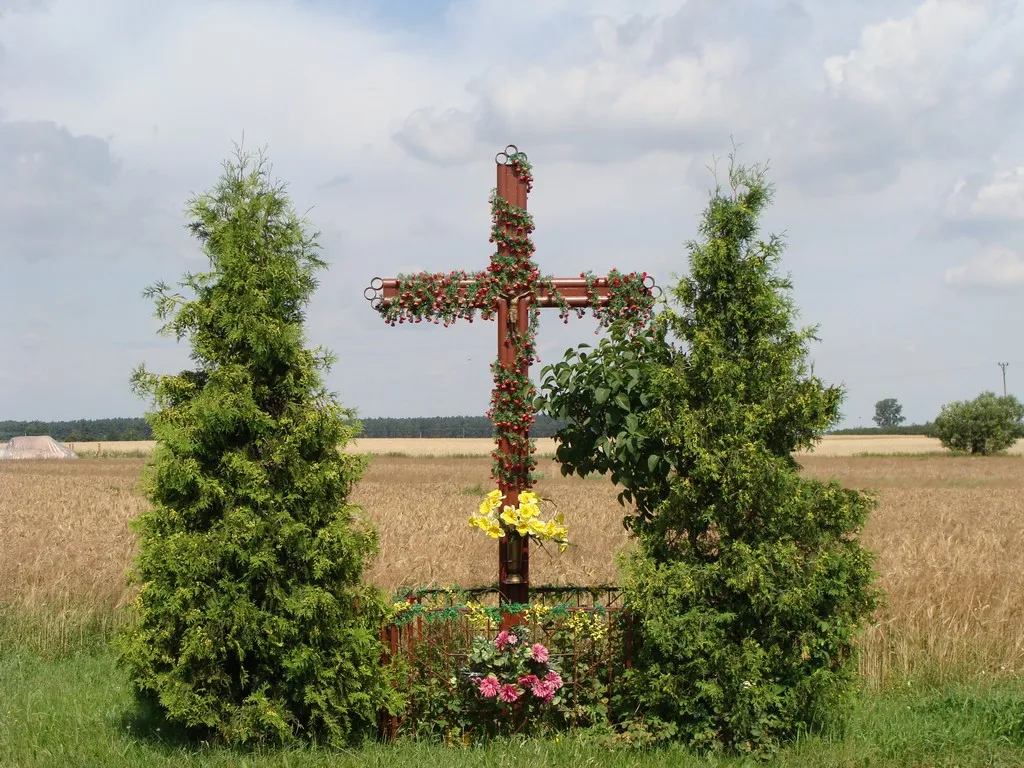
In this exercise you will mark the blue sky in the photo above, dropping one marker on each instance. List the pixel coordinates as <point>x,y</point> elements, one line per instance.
<point>892,129</point>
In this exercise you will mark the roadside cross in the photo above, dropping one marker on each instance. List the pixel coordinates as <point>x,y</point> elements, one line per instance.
<point>513,291</point>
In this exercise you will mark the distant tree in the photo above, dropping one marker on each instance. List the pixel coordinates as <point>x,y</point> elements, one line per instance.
<point>253,622</point>
<point>988,424</point>
<point>888,413</point>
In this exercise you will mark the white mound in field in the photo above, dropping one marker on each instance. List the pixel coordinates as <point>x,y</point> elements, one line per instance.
<point>36,448</point>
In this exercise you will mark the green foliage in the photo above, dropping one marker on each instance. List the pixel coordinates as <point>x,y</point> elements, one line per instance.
<point>252,621</point>
<point>80,430</point>
<point>446,426</point>
<point>985,425</point>
<point>749,582</point>
<point>927,430</point>
<point>601,395</point>
<point>888,413</point>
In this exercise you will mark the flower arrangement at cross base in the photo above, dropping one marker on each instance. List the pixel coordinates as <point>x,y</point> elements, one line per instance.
<point>522,520</point>
<point>518,678</point>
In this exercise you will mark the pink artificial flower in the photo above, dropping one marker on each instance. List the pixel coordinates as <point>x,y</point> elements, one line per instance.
<point>504,640</point>
<point>508,693</point>
<point>488,686</point>
<point>555,679</point>
<point>539,653</point>
<point>528,681</point>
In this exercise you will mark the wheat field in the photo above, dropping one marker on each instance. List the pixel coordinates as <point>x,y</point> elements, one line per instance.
<point>947,533</point>
<point>830,445</point>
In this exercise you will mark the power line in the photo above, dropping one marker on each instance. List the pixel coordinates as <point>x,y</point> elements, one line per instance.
<point>1003,366</point>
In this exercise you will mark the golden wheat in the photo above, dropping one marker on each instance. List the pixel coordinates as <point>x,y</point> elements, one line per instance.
<point>830,445</point>
<point>947,533</point>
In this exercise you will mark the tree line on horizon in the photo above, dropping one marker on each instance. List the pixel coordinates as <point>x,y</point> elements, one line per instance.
<point>122,429</point>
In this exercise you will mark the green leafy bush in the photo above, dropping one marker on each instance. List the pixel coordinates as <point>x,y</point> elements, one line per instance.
<point>252,621</point>
<point>985,425</point>
<point>749,583</point>
<point>601,393</point>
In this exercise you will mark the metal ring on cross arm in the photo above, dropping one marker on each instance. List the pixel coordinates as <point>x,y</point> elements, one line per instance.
<point>377,283</point>
<point>649,285</point>
<point>369,294</point>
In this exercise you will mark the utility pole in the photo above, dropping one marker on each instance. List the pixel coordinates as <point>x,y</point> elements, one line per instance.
<point>1003,366</point>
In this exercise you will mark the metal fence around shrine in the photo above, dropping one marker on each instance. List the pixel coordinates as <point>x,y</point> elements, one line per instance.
<point>429,648</point>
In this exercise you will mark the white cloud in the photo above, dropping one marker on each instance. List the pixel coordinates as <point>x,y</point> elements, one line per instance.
<point>995,196</point>
<point>66,196</point>
<point>985,206</point>
<point>620,96</point>
<point>905,63</point>
<point>1000,198</point>
<point>994,268</point>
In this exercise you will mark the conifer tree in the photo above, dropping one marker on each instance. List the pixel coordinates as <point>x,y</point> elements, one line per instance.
<point>749,582</point>
<point>252,622</point>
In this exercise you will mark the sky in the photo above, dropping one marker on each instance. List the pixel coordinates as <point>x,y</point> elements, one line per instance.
<point>891,129</point>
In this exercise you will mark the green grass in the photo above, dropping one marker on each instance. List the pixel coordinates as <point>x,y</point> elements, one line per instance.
<point>77,709</point>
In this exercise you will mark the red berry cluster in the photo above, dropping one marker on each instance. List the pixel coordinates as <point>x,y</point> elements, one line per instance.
<point>628,299</point>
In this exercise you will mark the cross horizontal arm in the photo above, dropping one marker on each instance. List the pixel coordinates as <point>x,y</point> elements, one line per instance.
<point>435,291</point>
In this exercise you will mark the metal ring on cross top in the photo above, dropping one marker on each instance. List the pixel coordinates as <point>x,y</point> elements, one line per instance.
<point>505,158</point>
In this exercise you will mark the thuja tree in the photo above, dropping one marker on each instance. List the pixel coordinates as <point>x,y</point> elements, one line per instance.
<point>252,621</point>
<point>748,583</point>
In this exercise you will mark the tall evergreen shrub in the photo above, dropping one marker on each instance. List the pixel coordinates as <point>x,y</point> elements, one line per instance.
<point>253,623</point>
<point>749,583</point>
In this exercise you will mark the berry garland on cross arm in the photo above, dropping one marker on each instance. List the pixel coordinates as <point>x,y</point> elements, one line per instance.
<point>446,297</point>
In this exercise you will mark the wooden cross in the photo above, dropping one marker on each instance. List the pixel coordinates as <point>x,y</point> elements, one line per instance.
<point>511,290</point>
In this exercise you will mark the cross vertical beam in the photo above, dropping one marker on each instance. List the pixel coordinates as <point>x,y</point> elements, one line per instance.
<point>513,325</point>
